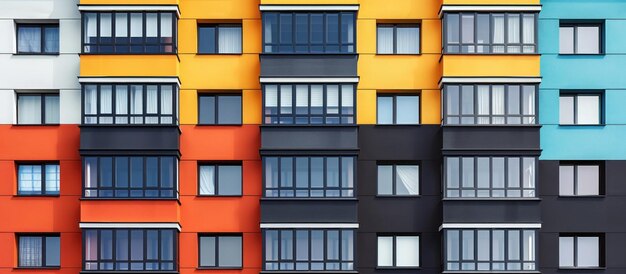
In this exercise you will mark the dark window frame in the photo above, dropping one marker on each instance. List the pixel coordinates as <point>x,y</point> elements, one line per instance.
<point>491,189</point>
<point>601,248</point>
<point>144,106</point>
<point>43,237</point>
<point>217,27</point>
<point>144,188</point>
<point>395,27</point>
<point>395,253</point>
<point>394,106</point>
<point>309,261</point>
<point>575,25</point>
<point>216,165</point>
<point>475,116</point>
<point>217,108</point>
<point>309,189</point>
<point>43,178</point>
<point>575,165</point>
<point>577,93</point>
<point>143,44</point>
<point>268,117</point>
<point>506,261</point>
<point>99,262</point>
<point>42,99</point>
<point>490,44</point>
<point>217,236</point>
<point>394,171</point>
<point>309,44</point>
<point>42,27</point>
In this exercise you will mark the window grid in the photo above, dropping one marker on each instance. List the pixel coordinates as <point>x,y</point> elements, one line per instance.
<point>133,189</point>
<point>217,238</point>
<point>507,191</point>
<point>44,264</point>
<point>129,118</point>
<point>43,96</point>
<point>216,104</point>
<point>576,182</point>
<point>574,27</point>
<point>216,178</point>
<point>216,39</point>
<point>575,97</point>
<point>394,251</point>
<point>312,114</point>
<point>42,29</point>
<point>343,44</point>
<point>395,37</point>
<point>343,190</point>
<point>575,238</point>
<point>395,110</point>
<point>454,115</point>
<point>125,44</point>
<point>44,189</point>
<point>113,262</point>
<point>503,48</point>
<point>394,179</point>
<point>492,264</point>
<point>326,263</point>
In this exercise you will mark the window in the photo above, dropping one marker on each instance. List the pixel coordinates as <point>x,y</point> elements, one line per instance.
<point>219,38</point>
<point>580,179</point>
<point>309,32</point>
<point>39,251</point>
<point>398,39</point>
<point>398,109</point>
<point>398,180</point>
<point>398,251</point>
<point>220,180</point>
<point>38,109</point>
<point>489,104</point>
<point>38,179</point>
<point>130,249</point>
<point>219,109</point>
<point>581,251</point>
<point>308,249</point>
<point>129,32</point>
<point>490,250</point>
<point>581,38</point>
<point>130,177</point>
<point>220,251</point>
<point>490,33</point>
<point>37,38</point>
<point>580,108</point>
<point>124,104</point>
<point>308,104</point>
<point>490,177</point>
<point>306,177</point>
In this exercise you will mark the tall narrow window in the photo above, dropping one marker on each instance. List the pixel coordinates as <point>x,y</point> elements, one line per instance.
<point>581,251</point>
<point>580,179</point>
<point>580,108</point>
<point>398,39</point>
<point>38,108</point>
<point>398,180</point>
<point>39,251</point>
<point>398,109</point>
<point>220,180</point>
<point>220,251</point>
<point>580,38</point>
<point>398,251</point>
<point>219,38</point>
<point>37,38</point>
<point>38,179</point>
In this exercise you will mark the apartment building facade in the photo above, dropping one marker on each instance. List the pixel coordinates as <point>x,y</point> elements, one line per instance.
<point>281,136</point>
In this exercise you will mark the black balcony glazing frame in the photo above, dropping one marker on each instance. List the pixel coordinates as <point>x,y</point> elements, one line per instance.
<point>128,116</point>
<point>117,46</point>
<point>42,27</point>
<point>294,189</point>
<point>324,45</point>
<point>43,249</point>
<point>491,117</point>
<point>43,191</point>
<point>490,45</point>
<point>294,261</point>
<point>114,262</point>
<point>276,118</point>
<point>113,190</point>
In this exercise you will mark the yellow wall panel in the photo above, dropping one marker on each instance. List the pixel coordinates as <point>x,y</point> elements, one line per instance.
<point>188,107</point>
<point>491,2</point>
<point>128,65</point>
<point>252,103</point>
<point>415,72</point>
<point>430,111</point>
<point>129,2</point>
<point>309,2</point>
<point>220,71</point>
<point>399,9</point>
<point>220,9</point>
<point>366,107</point>
<point>491,65</point>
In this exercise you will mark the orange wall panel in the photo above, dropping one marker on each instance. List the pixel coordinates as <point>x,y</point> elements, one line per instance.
<point>220,142</point>
<point>131,211</point>
<point>39,143</point>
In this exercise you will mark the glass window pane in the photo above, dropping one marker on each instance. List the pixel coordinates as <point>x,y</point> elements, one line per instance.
<point>482,165</point>
<point>452,245</point>
<point>207,110</point>
<point>467,25</point>
<point>452,28</point>
<point>271,245</point>
<point>206,40</point>
<point>452,172</point>
<point>53,178</point>
<point>230,251</point>
<point>588,252</point>
<point>452,100</point>
<point>588,110</point>
<point>407,111</point>
<point>332,245</point>
<point>408,40</point>
<point>207,180</point>
<point>566,251</point>
<point>497,245</point>
<point>332,172</point>
<point>385,179</point>
<point>514,247</point>
<point>566,180</point>
<point>302,28</point>
<point>30,253</point>
<point>302,245</point>
<point>286,245</point>
<point>207,251</point>
<point>29,109</point>
<point>513,28</point>
<point>229,40</point>
<point>482,30</point>
<point>385,110</point>
<point>529,245</point>
<point>566,110</point>
<point>407,251</point>
<point>566,40</point>
<point>468,172</point>
<point>385,40</point>
<point>229,181</point>
<point>51,109</point>
<point>497,169</point>
<point>51,36</point>
<point>29,39</point>
<point>229,110</point>
<point>407,180</point>
<point>468,244</point>
<point>286,172</point>
<point>317,245</point>
<point>513,165</point>
<point>302,172</point>
<point>317,172</point>
<point>467,100</point>
<point>385,251</point>
<point>483,245</point>
<point>588,180</point>
<point>588,40</point>
<point>53,251</point>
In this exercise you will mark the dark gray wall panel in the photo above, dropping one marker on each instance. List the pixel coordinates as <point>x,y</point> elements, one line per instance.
<point>129,139</point>
<point>476,138</point>
<point>495,211</point>
<point>309,138</point>
<point>309,211</point>
<point>378,142</point>
<point>309,65</point>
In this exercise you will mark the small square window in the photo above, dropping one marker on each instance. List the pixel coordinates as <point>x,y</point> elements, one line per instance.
<point>39,251</point>
<point>398,109</point>
<point>220,180</point>
<point>219,39</point>
<point>398,39</point>
<point>220,251</point>
<point>580,179</point>
<point>38,179</point>
<point>38,108</point>
<point>580,108</point>
<point>219,109</point>
<point>38,38</point>
<point>580,38</point>
<point>581,251</point>
<point>398,251</point>
<point>398,180</point>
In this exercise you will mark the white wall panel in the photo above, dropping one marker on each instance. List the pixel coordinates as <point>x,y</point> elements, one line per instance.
<point>70,106</point>
<point>39,72</point>
<point>39,9</point>
<point>7,106</point>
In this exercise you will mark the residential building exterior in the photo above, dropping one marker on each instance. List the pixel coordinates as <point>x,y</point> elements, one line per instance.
<point>317,136</point>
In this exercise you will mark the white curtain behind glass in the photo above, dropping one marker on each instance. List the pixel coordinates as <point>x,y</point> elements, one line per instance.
<point>497,103</point>
<point>151,100</point>
<point>30,251</point>
<point>106,24</point>
<point>408,40</point>
<point>229,40</point>
<point>91,30</point>
<point>483,104</point>
<point>121,25</point>
<point>407,180</point>
<point>498,32</point>
<point>152,24</point>
<point>271,99</point>
<point>136,25</point>
<point>52,39</point>
<point>317,96</point>
<point>121,100</point>
<point>166,100</point>
<point>106,99</point>
<point>385,40</point>
<point>529,29</point>
<point>332,99</point>
<point>347,96</point>
<point>29,39</point>
<point>52,109</point>
<point>407,251</point>
<point>385,251</point>
<point>207,180</point>
<point>29,109</point>
<point>166,25</point>
<point>302,96</point>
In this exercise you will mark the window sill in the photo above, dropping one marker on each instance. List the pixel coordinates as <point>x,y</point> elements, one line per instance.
<point>36,125</point>
<point>213,125</point>
<point>581,196</point>
<point>206,53</point>
<point>36,54</point>
<point>492,54</point>
<point>383,268</point>
<point>582,125</point>
<point>308,271</point>
<point>308,199</point>
<point>219,196</point>
<point>28,268</point>
<point>582,54</point>
<point>491,125</point>
<point>127,53</point>
<point>401,54</point>
<point>218,268</point>
<point>581,268</point>
<point>37,195</point>
<point>397,196</point>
